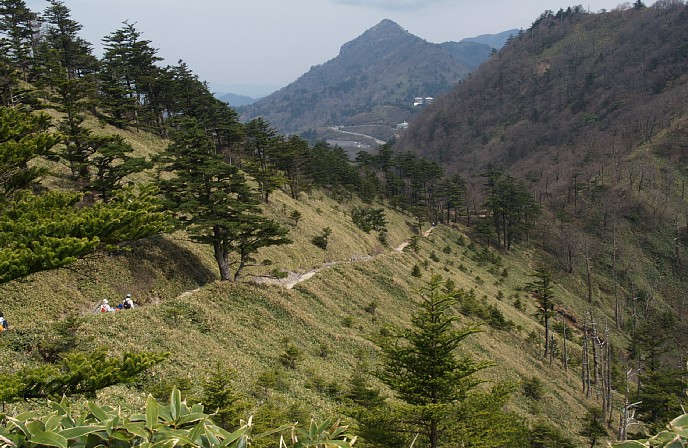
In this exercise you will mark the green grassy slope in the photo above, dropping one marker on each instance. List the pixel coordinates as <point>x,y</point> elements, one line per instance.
<point>183,309</point>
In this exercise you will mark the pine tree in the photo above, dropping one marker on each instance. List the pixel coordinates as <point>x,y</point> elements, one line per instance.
<point>18,28</point>
<point>129,79</point>
<point>451,192</point>
<point>260,142</point>
<point>9,83</point>
<point>110,165</point>
<point>422,368</point>
<point>78,374</point>
<point>45,231</point>
<point>512,207</point>
<point>220,397</point>
<point>23,137</point>
<point>541,289</point>
<point>213,201</point>
<point>662,395</point>
<point>593,426</point>
<point>71,52</point>
<point>78,142</point>
<point>290,157</point>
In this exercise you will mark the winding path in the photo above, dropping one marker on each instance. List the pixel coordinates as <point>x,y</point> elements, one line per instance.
<point>294,278</point>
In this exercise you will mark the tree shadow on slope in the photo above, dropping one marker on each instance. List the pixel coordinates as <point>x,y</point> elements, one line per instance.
<point>162,258</point>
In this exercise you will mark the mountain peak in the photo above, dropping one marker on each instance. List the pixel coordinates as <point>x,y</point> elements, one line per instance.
<point>383,35</point>
<point>386,29</point>
<point>373,81</point>
<point>387,25</point>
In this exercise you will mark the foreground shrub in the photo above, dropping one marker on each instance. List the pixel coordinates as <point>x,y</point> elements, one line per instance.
<point>170,425</point>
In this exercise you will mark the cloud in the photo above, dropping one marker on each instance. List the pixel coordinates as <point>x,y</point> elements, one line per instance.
<point>393,5</point>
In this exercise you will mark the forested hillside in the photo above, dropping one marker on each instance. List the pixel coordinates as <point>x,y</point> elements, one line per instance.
<point>588,111</point>
<point>585,113</point>
<point>434,308</point>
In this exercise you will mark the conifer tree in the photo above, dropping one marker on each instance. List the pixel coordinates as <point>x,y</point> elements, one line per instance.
<point>423,369</point>
<point>662,395</point>
<point>129,78</point>
<point>213,201</point>
<point>73,54</point>
<point>541,289</point>
<point>220,397</point>
<point>9,83</point>
<point>451,192</point>
<point>45,231</point>
<point>260,141</point>
<point>78,141</point>
<point>290,157</point>
<point>111,164</point>
<point>77,374</point>
<point>23,137</point>
<point>512,207</point>
<point>593,426</point>
<point>98,164</point>
<point>18,28</point>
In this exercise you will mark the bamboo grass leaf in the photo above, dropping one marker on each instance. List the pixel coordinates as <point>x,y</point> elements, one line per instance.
<point>50,438</point>
<point>175,404</point>
<point>151,413</point>
<point>97,411</point>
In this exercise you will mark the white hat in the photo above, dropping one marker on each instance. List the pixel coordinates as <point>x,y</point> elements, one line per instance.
<point>105,300</point>
<point>128,296</point>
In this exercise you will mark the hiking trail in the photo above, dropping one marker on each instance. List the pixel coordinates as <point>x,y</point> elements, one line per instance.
<point>294,278</point>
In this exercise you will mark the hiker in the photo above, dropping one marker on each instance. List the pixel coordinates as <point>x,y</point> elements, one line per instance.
<point>4,325</point>
<point>128,302</point>
<point>105,306</point>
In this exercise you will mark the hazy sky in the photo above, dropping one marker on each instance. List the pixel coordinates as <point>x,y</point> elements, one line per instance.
<point>255,46</point>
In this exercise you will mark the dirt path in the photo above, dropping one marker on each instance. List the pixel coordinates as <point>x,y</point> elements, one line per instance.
<point>294,278</point>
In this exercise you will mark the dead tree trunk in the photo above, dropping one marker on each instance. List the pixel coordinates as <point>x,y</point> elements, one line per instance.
<point>585,362</point>
<point>566,355</point>
<point>617,305</point>
<point>589,275</point>
<point>595,355</point>
<point>608,388</point>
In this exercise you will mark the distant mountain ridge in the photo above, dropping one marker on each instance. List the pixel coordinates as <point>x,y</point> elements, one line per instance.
<point>235,100</point>
<point>372,82</point>
<point>493,40</point>
<point>562,83</point>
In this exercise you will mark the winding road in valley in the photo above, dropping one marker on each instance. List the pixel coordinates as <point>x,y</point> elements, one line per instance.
<point>378,141</point>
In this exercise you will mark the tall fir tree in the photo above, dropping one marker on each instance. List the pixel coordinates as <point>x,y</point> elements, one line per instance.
<point>512,208</point>
<point>541,289</point>
<point>129,78</point>
<point>18,30</point>
<point>423,369</point>
<point>73,54</point>
<point>260,142</point>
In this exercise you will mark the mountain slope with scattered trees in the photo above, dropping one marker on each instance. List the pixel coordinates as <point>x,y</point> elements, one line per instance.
<point>123,175</point>
<point>585,114</point>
